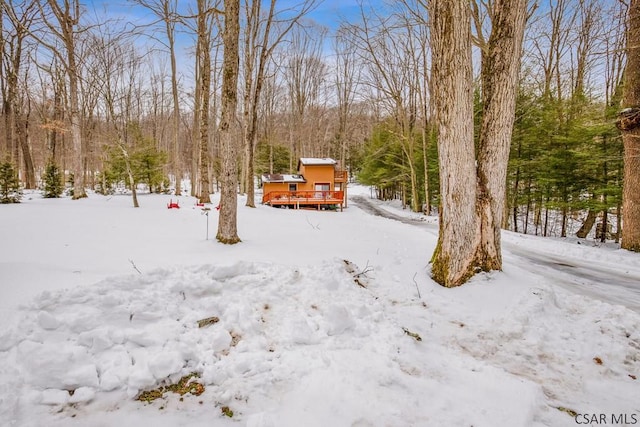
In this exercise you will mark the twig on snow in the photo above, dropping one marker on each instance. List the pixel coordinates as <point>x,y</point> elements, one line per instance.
<point>367,268</point>
<point>416,283</point>
<point>134,266</point>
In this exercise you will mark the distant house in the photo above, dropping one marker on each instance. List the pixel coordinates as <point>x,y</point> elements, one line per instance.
<point>318,183</point>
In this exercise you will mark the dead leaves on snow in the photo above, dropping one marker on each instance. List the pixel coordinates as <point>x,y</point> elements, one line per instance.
<point>185,385</point>
<point>207,321</point>
<point>412,334</point>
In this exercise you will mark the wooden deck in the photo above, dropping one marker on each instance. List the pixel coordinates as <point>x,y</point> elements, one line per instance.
<point>298,199</point>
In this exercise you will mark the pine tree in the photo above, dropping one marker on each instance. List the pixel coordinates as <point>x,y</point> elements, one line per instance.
<point>10,191</point>
<point>52,181</point>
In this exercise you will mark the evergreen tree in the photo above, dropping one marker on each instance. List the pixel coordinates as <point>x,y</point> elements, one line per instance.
<point>10,191</point>
<point>146,161</point>
<point>52,181</point>
<point>382,163</point>
<point>273,158</point>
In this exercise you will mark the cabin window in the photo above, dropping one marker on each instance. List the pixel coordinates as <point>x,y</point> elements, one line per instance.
<point>321,190</point>
<point>293,187</point>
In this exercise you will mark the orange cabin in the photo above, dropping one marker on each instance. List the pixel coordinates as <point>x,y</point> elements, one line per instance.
<point>318,183</point>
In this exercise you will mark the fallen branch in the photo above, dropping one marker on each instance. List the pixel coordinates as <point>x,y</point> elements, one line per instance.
<point>352,269</point>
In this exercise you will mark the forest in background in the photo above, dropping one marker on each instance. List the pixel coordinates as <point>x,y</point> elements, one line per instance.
<point>104,101</point>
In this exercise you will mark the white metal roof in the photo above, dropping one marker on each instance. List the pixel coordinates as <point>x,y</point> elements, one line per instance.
<point>317,161</point>
<point>281,177</point>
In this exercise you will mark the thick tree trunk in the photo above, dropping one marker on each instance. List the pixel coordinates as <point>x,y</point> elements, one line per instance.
<point>473,197</point>
<point>227,220</point>
<point>631,135</point>
<point>500,68</point>
<point>454,259</point>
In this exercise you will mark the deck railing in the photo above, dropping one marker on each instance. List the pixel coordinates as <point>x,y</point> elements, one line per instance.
<point>307,197</point>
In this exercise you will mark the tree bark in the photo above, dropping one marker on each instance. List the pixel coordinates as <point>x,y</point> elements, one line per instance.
<point>473,197</point>
<point>631,135</point>
<point>204,64</point>
<point>68,19</point>
<point>227,220</point>
<point>170,28</point>
<point>500,68</point>
<point>454,259</point>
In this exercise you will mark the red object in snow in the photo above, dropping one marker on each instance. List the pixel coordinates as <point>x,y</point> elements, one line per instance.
<point>172,205</point>
<point>200,204</point>
<point>218,207</point>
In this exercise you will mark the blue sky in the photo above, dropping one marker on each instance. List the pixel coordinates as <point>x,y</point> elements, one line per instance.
<point>327,12</point>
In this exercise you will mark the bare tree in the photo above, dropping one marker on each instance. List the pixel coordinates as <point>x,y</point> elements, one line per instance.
<point>454,259</point>
<point>204,30</point>
<point>500,68</point>
<point>629,123</point>
<point>260,41</point>
<point>473,196</point>
<point>15,102</point>
<point>66,30</point>
<point>167,13</point>
<point>227,220</point>
<point>347,76</point>
<point>304,74</point>
<point>119,84</point>
<point>391,56</point>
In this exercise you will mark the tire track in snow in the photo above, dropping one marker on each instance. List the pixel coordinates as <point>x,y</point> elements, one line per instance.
<point>595,280</point>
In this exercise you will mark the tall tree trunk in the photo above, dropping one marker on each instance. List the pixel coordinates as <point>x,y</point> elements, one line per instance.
<point>227,220</point>
<point>473,195</point>
<point>27,158</point>
<point>76,133</point>
<point>170,29</point>
<point>204,63</point>
<point>630,127</point>
<point>500,68</point>
<point>68,18</point>
<point>454,259</point>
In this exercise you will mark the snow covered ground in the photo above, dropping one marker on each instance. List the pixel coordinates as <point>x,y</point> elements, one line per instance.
<point>324,319</point>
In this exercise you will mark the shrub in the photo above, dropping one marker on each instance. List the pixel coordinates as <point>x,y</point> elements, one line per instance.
<point>10,191</point>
